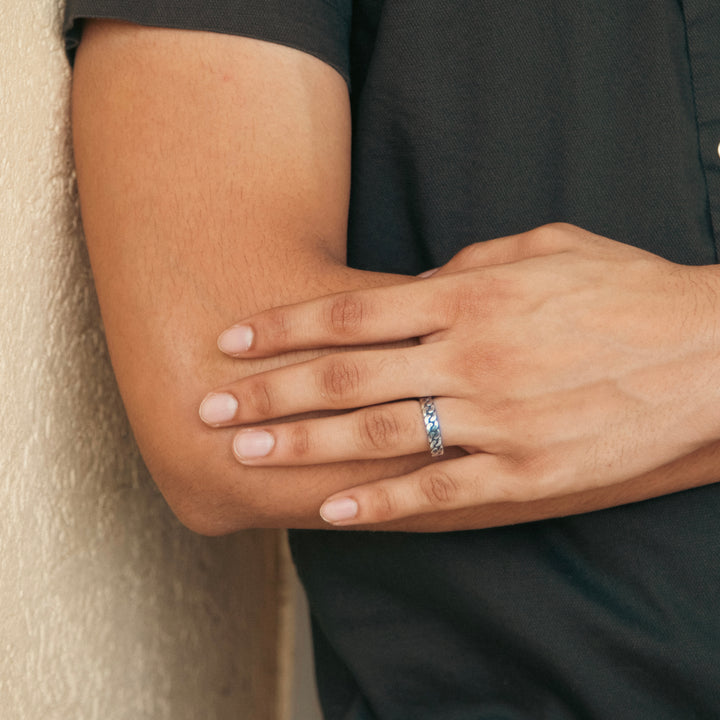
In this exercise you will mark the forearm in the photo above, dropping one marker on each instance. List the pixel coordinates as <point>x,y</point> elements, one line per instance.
<point>214,182</point>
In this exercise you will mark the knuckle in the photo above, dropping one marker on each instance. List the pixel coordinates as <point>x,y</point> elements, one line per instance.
<point>511,432</point>
<point>299,441</point>
<point>548,477</point>
<point>259,398</point>
<point>379,429</point>
<point>340,379</point>
<point>382,504</point>
<point>553,236</point>
<point>470,255</point>
<point>463,302</point>
<point>531,477</point>
<point>276,328</point>
<point>480,299</point>
<point>480,362</point>
<point>345,315</point>
<point>562,227</point>
<point>512,489</point>
<point>439,489</point>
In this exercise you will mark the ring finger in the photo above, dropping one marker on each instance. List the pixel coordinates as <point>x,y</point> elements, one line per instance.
<point>380,431</point>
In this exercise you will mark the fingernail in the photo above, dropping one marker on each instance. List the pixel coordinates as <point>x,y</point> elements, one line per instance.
<point>235,340</point>
<point>336,511</point>
<point>218,408</point>
<point>251,444</point>
<point>428,273</point>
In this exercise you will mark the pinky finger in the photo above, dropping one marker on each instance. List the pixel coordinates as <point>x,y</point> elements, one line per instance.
<point>450,485</point>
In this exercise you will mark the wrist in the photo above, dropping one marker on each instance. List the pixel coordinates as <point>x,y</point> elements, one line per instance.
<point>700,344</point>
<point>703,307</point>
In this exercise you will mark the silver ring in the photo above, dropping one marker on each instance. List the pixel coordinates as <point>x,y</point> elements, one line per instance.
<point>432,426</point>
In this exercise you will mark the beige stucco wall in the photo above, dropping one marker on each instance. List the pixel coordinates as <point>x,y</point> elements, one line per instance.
<point>109,609</point>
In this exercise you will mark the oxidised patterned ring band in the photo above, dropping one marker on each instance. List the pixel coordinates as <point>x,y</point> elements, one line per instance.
<point>432,426</point>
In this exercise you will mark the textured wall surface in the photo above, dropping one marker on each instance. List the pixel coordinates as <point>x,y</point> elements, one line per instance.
<point>109,609</point>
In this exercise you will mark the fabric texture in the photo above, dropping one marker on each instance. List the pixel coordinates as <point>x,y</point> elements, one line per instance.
<point>475,119</point>
<point>320,27</point>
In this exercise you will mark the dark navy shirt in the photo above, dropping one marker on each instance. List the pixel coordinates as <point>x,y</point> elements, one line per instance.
<point>474,119</point>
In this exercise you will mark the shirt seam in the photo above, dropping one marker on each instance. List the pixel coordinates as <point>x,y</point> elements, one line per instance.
<point>698,123</point>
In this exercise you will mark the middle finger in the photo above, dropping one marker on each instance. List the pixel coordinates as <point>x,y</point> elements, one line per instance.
<point>333,382</point>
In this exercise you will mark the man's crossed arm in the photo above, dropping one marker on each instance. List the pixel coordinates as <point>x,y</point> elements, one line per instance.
<point>214,180</point>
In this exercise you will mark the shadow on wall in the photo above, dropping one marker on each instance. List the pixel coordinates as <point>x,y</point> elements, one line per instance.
<point>108,607</point>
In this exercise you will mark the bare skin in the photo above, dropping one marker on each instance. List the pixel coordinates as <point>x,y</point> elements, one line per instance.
<point>214,179</point>
<point>563,363</point>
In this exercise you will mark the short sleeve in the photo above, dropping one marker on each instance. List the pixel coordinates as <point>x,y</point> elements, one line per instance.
<point>319,27</point>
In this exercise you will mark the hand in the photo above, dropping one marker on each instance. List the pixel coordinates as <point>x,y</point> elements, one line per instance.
<point>560,361</point>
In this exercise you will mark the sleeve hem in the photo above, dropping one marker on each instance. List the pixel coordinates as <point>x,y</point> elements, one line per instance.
<point>324,35</point>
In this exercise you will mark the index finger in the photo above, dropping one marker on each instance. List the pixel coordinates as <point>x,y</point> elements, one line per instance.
<point>357,317</point>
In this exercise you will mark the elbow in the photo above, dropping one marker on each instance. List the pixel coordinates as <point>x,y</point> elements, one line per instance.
<point>192,465</point>
<point>203,515</point>
<point>207,490</point>
<point>204,508</point>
